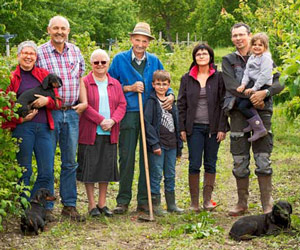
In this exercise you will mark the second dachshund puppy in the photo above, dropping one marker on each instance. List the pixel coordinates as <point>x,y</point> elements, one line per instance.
<point>249,227</point>
<point>46,89</point>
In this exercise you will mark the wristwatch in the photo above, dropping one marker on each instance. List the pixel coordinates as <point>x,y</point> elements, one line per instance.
<point>267,92</point>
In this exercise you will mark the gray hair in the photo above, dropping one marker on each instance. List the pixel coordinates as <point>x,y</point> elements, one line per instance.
<point>59,17</point>
<point>99,52</point>
<point>24,44</point>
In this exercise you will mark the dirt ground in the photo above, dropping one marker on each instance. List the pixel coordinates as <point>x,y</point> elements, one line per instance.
<point>127,232</point>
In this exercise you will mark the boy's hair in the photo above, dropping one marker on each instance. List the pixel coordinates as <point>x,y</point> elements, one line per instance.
<point>161,75</point>
<point>262,37</point>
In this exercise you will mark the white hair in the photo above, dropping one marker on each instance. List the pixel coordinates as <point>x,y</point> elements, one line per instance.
<point>99,52</point>
<point>24,44</point>
<point>59,17</point>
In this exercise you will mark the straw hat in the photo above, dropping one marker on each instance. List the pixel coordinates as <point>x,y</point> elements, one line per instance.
<point>142,29</point>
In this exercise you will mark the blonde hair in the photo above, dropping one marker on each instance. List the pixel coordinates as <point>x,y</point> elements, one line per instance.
<point>263,38</point>
<point>161,75</point>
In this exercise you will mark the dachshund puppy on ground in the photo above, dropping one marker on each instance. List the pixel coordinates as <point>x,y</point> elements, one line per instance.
<point>34,218</point>
<point>249,227</point>
<point>46,89</point>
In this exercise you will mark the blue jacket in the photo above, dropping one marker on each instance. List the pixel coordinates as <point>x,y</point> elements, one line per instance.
<point>152,117</point>
<point>122,70</point>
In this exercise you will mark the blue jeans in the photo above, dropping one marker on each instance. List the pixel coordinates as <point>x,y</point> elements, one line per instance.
<point>36,137</point>
<point>66,134</point>
<point>202,143</point>
<point>162,164</point>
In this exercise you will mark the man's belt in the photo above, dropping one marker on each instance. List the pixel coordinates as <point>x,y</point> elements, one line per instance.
<point>65,108</point>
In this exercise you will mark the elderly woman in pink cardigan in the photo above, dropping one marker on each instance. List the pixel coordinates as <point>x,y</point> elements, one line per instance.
<point>99,132</point>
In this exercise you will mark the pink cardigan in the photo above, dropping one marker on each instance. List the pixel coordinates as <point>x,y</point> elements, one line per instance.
<point>91,117</point>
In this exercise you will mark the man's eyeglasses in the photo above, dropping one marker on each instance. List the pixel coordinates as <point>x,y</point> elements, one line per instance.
<point>31,54</point>
<point>99,62</point>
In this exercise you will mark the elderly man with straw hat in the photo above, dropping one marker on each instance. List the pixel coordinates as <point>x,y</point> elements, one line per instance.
<point>134,69</point>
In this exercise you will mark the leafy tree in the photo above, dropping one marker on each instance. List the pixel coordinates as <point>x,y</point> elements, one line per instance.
<point>209,22</point>
<point>8,11</point>
<point>103,19</point>
<point>169,16</point>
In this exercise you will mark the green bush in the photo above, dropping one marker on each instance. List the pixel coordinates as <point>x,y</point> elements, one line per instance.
<point>10,171</point>
<point>293,108</point>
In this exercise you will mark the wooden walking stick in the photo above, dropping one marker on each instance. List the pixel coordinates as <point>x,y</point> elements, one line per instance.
<point>145,158</point>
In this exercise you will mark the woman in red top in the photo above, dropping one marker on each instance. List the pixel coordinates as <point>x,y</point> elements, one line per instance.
<point>34,129</point>
<point>99,128</point>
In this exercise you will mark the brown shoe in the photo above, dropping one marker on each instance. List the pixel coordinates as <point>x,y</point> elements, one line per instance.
<point>121,209</point>
<point>72,213</point>
<point>143,208</point>
<point>50,216</point>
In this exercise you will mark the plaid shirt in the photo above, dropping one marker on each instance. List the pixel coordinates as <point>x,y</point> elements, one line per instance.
<point>69,66</point>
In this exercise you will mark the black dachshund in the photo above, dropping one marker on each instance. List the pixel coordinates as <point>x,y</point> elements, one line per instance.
<point>34,218</point>
<point>46,89</point>
<point>273,223</point>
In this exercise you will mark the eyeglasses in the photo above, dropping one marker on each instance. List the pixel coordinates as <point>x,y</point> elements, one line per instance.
<point>99,62</point>
<point>31,54</point>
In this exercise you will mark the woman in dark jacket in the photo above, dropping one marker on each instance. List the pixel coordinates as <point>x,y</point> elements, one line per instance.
<point>202,122</point>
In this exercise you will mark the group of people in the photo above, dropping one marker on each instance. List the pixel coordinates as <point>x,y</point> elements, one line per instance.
<point>101,110</point>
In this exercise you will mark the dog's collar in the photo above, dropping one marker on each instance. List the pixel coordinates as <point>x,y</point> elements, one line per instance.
<point>36,202</point>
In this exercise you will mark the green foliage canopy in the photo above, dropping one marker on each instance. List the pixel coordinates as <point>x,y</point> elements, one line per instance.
<point>102,19</point>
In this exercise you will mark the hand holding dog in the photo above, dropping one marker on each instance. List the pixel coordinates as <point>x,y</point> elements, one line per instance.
<point>41,101</point>
<point>30,116</point>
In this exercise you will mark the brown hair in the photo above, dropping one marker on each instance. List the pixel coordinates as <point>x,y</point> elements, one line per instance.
<point>262,37</point>
<point>161,75</point>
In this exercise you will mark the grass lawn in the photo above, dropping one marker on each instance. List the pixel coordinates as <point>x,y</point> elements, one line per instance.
<point>187,231</point>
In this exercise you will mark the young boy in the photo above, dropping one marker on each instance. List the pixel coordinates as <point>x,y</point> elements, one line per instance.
<point>258,70</point>
<point>163,143</point>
